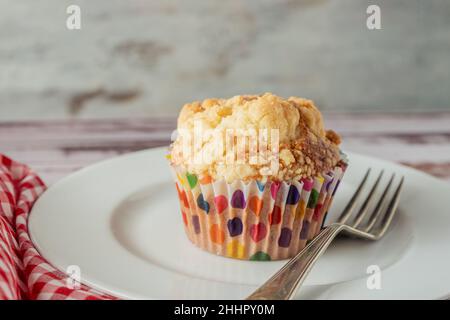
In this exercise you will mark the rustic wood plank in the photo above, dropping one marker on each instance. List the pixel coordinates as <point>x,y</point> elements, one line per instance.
<point>56,148</point>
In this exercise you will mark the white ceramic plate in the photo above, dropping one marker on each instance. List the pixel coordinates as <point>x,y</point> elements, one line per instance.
<point>119,221</point>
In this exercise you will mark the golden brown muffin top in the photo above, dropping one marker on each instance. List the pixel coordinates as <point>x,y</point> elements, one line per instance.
<point>304,147</point>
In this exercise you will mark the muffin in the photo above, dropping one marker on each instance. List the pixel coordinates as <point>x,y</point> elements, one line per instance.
<point>255,174</point>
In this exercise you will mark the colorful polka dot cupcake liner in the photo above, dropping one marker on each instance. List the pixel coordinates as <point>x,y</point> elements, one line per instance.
<point>255,221</point>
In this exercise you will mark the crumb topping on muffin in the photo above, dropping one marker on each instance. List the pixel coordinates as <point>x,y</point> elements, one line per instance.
<point>305,148</point>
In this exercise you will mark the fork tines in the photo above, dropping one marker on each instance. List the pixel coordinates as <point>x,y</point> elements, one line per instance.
<point>383,212</point>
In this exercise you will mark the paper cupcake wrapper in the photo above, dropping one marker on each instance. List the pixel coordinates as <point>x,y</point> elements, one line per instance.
<point>255,221</point>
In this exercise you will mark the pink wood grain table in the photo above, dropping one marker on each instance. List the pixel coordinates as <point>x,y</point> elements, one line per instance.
<point>56,148</point>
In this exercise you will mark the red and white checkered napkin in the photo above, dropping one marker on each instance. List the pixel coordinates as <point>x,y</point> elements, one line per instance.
<point>24,274</point>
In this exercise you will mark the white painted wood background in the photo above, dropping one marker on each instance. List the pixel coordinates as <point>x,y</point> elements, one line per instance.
<point>144,58</point>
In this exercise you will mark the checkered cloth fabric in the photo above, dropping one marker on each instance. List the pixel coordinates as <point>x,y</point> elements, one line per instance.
<point>24,273</point>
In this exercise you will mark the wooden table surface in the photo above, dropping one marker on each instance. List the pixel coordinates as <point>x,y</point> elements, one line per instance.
<point>56,148</point>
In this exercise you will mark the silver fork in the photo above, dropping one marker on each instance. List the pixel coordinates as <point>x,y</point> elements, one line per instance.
<point>284,284</point>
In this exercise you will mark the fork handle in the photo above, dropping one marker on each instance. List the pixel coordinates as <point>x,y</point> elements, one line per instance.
<point>284,284</point>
